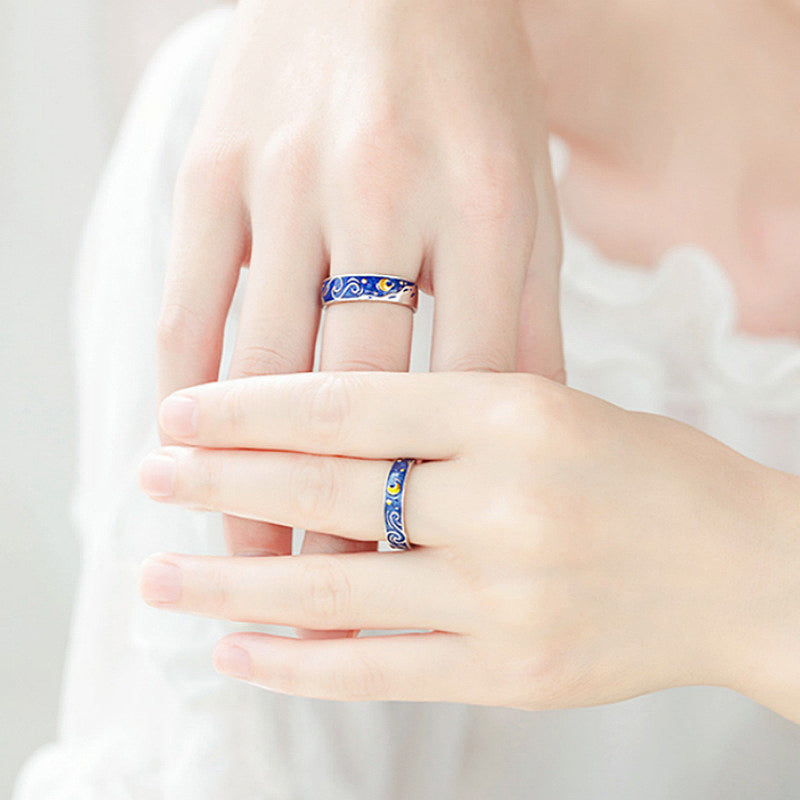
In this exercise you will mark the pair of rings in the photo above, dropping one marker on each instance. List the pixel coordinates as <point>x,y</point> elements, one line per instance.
<point>387,289</point>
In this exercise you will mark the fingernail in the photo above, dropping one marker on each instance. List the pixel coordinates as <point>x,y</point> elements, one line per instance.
<point>233,660</point>
<point>160,581</point>
<point>157,475</point>
<point>178,416</point>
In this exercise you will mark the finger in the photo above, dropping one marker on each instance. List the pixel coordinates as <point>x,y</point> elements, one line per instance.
<point>207,248</point>
<point>366,415</point>
<point>366,336</point>
<point>278,325</point>
<point>372,228</point>
<point>540,349</point>
<point>339,496</point>
<point>358,590</point>
<point>478,278</point>
<point>410,666</point>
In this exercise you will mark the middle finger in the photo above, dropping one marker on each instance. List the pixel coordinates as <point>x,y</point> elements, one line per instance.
<point>365,335</point>
<point>280,314</point>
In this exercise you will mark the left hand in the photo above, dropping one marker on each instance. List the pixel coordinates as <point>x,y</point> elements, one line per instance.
<point>568,552</point>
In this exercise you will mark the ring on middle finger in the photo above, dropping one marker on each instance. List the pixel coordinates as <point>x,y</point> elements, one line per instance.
<point>369,287</point>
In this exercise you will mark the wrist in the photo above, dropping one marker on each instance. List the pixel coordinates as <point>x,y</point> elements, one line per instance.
<point>769,667</point>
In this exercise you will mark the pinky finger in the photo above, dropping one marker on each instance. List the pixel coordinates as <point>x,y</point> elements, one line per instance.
<point>540,347</point>
<point>407,666</point>
<point>207,249</point>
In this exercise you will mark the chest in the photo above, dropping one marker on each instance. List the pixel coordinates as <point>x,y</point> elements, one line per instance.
<point>634,217</point>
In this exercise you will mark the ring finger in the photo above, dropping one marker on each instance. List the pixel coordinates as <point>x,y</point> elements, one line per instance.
<point>340,496</point>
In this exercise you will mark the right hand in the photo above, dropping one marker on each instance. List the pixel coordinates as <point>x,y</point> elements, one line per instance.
<point>342,136</point>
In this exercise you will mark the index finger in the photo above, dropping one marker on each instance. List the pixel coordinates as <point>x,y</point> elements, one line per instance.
<point>206,253</point>
<point>362,414</point>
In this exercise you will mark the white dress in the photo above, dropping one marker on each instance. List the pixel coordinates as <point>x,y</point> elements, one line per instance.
<point>144,714</point>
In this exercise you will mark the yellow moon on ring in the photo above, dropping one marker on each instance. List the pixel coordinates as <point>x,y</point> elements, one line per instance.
<point>393,488</point>
<point>384,284</point>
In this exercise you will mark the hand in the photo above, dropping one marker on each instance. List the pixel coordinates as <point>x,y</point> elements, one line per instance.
<point>364,136</point>
<point>568,552</point>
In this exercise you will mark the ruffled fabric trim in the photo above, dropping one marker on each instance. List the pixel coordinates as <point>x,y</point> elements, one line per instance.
<point>677,320</point>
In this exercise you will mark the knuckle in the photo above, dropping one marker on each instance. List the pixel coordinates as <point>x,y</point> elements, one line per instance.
<point>375,160</point>
<point>488,202</point>
<point>494,190</point>
<point>233,405</point>
<point>210,169</point>
<point>541,674</point>
<point>218,594</point>
<point>487,359</point>
<point>513,407</point>
<point>556,374</point>
<point>324,406</point>
<point>325,591</point>
<point>553,418</point>
<point>554,678</point>
<point>181,329</point>
<point>261,359</point>
<point>207,473</point>
<point>361,679</point>
<point>533,677</point>
<point>313,490</point>
<point>289,161</point>
<point>536,679</point>
<point>374,362</point>
<point>286,675</point>
<point>515,605</point>
<point>538,675</point>
<point>503,510</point>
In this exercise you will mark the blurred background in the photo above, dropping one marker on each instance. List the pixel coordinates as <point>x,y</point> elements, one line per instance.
<point>67,70</point>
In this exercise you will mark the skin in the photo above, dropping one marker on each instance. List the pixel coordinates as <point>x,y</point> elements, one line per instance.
<point>682,119</point>
<point>717,606</point>
<point>324,147</point>
<point>568,552</point>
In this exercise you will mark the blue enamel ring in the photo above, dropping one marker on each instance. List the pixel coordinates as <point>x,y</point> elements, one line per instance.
<point>394,503</point>
<point>382,288</point>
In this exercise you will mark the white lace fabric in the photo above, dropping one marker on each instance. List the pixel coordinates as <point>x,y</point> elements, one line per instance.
<point>144,715</point>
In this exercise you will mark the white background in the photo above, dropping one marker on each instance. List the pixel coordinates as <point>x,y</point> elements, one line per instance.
<point>67,68</point>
